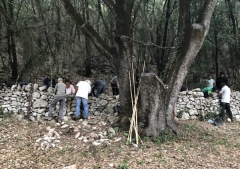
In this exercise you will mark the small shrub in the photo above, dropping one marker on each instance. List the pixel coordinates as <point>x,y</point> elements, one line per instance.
<point>123,165</point>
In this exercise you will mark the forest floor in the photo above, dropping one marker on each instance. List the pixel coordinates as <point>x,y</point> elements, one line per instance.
<point>201,145</point>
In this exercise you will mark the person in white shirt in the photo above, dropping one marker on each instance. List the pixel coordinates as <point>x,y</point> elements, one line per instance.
<point>225,94</point>
<point>83,88</point>
<point>210,81</point>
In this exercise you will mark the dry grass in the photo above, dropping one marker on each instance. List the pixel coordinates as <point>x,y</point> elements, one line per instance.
<point>201,146</point>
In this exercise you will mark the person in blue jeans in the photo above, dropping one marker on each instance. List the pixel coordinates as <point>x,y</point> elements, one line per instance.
<point>99,86</point>
<point>83,89</point>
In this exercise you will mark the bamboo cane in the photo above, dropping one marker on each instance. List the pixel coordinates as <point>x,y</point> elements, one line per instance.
<point>133,124</point>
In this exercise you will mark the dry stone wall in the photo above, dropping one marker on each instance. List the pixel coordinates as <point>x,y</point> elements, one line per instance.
<point>190,105</point>
<point>17,100</point>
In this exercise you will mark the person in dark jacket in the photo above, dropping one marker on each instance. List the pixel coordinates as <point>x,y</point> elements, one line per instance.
<point>47,81</point>
<point>115,86</point>
<point>220,80</point>
<point>99,86</point>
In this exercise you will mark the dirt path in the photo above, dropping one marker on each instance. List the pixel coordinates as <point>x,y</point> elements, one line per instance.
<point>201,146</point>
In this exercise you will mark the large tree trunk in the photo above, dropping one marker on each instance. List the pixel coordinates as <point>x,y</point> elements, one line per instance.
<point>119,56</point>
<point>152,105</point>
<point>190,42</point>
<point>123,62</point>
<point>235,44</point>
<point>88,64</point>
<point>11,41</point>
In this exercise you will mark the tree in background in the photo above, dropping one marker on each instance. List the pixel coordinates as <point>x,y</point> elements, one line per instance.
<point>191,37</point>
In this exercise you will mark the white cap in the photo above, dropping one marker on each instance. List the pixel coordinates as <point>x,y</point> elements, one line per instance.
<point>89,82</point>
<point>60,80</point>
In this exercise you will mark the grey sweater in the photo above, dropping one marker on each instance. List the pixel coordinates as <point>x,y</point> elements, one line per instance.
<point>60,89</point>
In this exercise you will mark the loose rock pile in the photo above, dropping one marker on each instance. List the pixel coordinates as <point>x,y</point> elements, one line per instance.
<point>192,105</point>
<point>97,132</point>
<point>49,140</point>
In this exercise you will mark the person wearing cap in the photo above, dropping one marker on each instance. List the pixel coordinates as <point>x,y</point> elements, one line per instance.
<point>59,91</point>
<point>83,89</point>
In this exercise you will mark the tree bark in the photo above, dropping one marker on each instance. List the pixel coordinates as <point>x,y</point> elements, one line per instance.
<point>152,105</point>
<point>191,37</point>
<point>88,57</point>
<point>119,56</point>
<point>11,42</point>
<point>235,44</point>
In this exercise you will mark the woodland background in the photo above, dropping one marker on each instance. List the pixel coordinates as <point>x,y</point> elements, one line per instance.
<point>39,37</point>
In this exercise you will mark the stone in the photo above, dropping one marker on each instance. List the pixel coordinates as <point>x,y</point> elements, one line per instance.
<point>42,88</point>
<point>36,95</point>
<point>66,118</point>
<point>28,88</point>
<point>23,88</point>
<point>111,119</point>
<point>96,143</point>
<point>196,90</point>
<point>103,102</point>
<point>111,132</point>
<point>44,97</point>
<point>34,114</point>
<point>35,86</point>
<point>32,118</point>
<point>108,109</point>
<point>19,87</point>
<point>64,126</point>
<point>117,139</point>
<point>6,98</point>
<point>50,90</point>
<point>40,104</point>
<point>71,167</point>
<point>26,104</point>
<point>77,135</point>
<point>13,87</point>
<point>185,116</point>
<point>237,117</point>
<point>96,113</point>
<point>41,111</point>
<point>193,112</point>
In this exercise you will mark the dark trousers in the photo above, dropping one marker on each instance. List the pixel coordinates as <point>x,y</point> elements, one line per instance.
<point>100,89</point>
<point>61,100</point>
<point>115,89</point>
<point>226,107</point>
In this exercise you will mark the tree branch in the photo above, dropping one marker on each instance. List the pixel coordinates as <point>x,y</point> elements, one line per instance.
<point>3,11</point>
<point>89,31</point>
<point>110,4</point>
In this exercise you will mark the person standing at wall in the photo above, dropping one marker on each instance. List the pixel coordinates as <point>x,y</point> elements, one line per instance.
<point>225,94</point>
<point>115,86</point>
<point>83,89</point>
<point>221,79</point>
<point>99,86</point>
<point>59,91</point>
<point>69,88</point>
<point>210,82</point>
<point>47,81</point>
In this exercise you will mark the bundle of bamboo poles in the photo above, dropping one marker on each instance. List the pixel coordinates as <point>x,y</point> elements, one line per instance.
<point>134,99</point>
